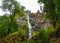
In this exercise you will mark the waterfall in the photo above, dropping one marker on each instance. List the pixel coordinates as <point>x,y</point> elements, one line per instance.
<point>29,26</point>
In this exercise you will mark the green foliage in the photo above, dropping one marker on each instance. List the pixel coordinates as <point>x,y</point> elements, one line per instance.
<point>4,24</point>
<point>23,28</point>
<point>24,25</point>
<point>49,15</point>
<point>14,27</point>
<point>14,8</point>
<point>50,30</point>
<point>34,33</point>
<point>15,37</point>
<point>57,4</point>
<point>43,37</point>
<point>52,9</point>
<point>23,32</point>
<point>31,41</point>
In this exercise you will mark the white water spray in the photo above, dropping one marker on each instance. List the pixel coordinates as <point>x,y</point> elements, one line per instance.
<point>29,26</point>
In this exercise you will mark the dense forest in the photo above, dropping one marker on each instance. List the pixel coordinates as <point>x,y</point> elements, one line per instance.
<point>23,26</point>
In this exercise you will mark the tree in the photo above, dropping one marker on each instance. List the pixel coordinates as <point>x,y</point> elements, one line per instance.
<point>52,9</point>
<point>4,22</point>
<point>14,8</point>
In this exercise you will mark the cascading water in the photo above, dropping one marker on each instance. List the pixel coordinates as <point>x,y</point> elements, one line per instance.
<point>29,26</point>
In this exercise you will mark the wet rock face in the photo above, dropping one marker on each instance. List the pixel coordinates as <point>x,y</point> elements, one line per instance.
<point>36,19</point>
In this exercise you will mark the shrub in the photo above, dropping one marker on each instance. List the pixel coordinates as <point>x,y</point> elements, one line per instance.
<point>31,41</point>
<point>50,30</point>
<point>43,37</point>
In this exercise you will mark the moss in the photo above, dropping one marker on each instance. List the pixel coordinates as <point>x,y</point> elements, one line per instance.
<point>16,37</point>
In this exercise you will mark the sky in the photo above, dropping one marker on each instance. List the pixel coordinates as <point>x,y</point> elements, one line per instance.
<point>1,12</point>
<point>31,5</point>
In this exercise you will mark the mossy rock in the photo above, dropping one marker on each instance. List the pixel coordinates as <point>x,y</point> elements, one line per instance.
<point>14,38</point>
